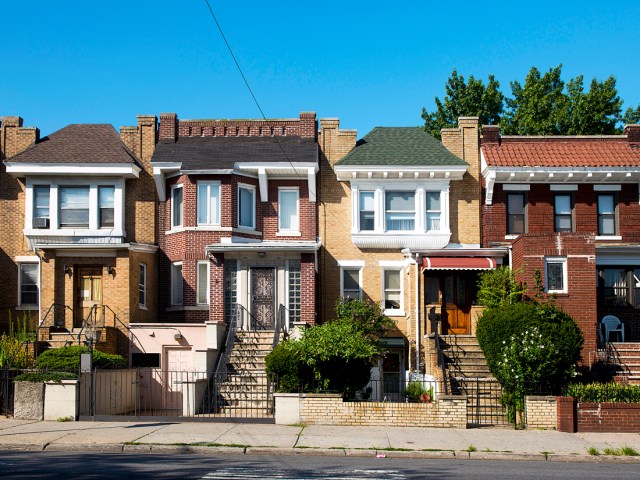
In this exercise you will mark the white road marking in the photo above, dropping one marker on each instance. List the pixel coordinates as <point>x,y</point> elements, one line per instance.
<point>345,474</point>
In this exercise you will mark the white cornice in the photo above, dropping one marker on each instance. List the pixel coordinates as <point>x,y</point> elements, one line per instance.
<point>128,170</point>
<point>399,172</point>
<point>432,240</point>
<point>160,170</point>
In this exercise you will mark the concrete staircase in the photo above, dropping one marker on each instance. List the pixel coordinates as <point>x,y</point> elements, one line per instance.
<point>626,356</point>
<point>469,375</point>
<point>246,392</point>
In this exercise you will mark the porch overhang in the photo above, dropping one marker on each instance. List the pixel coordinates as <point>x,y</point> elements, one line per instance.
<point>263,246</point>
<point>458,263</point>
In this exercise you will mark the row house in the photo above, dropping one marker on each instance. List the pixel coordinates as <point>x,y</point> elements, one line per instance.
<point>79,243</point>
<point>568,210</point>
<point>237,227</point>
<point>400,225</point>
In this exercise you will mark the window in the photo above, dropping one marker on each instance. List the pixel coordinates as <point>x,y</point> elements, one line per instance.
<point>606,214</point>
<point>105,206</point>
<point>74,207</point>
<point>230,288</point>
<point>41,201</point>
<point>367,211</point>
<point>208,203</point>
<point>142,286</point>
<point>246,207</point>
<point>295,291</point>
<point>433,210</point>
<point>203,283</point>
<point>516,213</point>
<point>28,288</point>
<point>176,206</point>
<point>392,290</point>
<point>563,213</point>
<point>288,217</point>
<point>556,274</point>
<point>176,284</point>
<point>400,211</point>
<point>350,283</point>
<point>619,286</point>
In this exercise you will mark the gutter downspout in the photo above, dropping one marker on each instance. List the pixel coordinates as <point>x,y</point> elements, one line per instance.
<point>414,261</point>
<point>35,251</point>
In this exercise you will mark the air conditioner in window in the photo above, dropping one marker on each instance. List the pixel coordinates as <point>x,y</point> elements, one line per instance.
<point>41,222</point>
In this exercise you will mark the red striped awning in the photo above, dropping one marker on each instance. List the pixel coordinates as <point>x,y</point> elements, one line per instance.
<point>458,263</point>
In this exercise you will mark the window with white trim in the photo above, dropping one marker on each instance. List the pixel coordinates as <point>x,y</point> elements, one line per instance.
<point>246,206</point>
<point>516,213</point>
<point>367,213</point>
<point>176,206</point>
<point>350,283</point>
<point>208,201</point>
<point>288,210</point>
<point>556,274</point>
<point>106,203</point>
<point>433,209</point>
<point>392,290</point>
<point>74,206</point>
<point>176,283</point>
<point>606,214</point>
<point>563,212</point>
<point>400,211</point>
<point>41,203</point>
<point>142,285</point>
<point>28,284</point>
<point>202,282</point>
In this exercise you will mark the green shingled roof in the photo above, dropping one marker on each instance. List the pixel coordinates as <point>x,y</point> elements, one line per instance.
<point>400,146</point>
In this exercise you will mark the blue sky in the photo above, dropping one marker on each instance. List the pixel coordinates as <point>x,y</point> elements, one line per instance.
<point>368,63</point>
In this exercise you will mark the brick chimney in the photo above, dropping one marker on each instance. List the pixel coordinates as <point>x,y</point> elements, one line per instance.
<point>633,133</point>
<point>14,138</point>
<point>168,126</point>
<point>308,125</point>
<point>490,135</point>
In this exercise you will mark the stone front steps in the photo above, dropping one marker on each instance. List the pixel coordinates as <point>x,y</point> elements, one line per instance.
<point>627,358</point>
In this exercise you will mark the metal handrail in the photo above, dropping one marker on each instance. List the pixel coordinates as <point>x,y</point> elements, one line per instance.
<point>54,307</point>
<point>440,354</point>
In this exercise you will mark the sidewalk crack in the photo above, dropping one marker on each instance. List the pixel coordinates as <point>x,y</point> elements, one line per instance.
<point>298,437</point>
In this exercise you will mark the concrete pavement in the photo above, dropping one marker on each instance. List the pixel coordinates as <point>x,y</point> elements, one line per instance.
<point>248,438</point>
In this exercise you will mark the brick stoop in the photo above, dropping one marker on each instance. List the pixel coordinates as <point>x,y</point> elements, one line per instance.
<point>626,357</point>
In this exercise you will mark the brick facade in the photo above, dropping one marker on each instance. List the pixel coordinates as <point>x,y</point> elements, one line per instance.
<point>586,417</point>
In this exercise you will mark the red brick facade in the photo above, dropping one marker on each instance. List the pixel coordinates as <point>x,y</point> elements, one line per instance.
<point>587,417</point>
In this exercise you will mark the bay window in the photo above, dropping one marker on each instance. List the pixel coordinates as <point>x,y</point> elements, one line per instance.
<point>41,202</point>
<point>433,210</point>
<point>176,206</point>
<point>247,206</point>
<point>400,211</point>
<point>74,207</point>
<point>367,211</point>
<point>288,210</point>
<point>106,206</point>
<point>208,203</point>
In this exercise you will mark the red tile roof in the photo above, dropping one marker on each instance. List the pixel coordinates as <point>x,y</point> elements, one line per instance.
<point>606,151</point>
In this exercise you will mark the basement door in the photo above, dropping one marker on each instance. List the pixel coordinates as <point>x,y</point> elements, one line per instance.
<point>263,296</point>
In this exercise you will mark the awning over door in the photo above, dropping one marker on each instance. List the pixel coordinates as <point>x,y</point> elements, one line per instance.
<point>458,263</point>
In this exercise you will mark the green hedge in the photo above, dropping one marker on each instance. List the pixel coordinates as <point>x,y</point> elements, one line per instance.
<point>67,359</point>
<point>604,392</point>
<point>39,377</point>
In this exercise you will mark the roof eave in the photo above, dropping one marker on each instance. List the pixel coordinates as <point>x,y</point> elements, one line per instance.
<point>21,169</point>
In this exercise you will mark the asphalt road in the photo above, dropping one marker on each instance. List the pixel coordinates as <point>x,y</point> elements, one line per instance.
<point>49,465</point>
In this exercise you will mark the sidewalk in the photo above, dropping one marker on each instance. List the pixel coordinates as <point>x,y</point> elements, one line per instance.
<point>238,438</point>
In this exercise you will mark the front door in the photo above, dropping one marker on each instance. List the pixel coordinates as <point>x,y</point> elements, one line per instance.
<point>263,296</point>
<point>392,376</point>
<point>456,304</point>
<point>88,293</point>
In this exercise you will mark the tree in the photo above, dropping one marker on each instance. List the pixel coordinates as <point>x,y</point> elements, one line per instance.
<point>497,288</point>
<point>470,98</point>
<point>632,115</point>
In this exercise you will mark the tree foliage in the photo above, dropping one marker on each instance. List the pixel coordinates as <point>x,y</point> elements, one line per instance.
<point>544,105</point>
<point>498,288</point>
<point>67,359</point>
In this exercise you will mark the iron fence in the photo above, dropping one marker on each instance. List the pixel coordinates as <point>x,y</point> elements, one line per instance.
<point>7,390</point>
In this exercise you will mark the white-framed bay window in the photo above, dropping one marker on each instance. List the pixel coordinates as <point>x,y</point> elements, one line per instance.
<point>28,285</point>
<point>246,206</point>
<point>74,206</point>
<point>208,202</point>
<point>202,282</point>
<point>289,211</point>
<point>177,283</point>
<point>177,200</point>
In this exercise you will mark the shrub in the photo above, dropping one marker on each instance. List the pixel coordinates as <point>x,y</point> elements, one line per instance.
<point>283,363</point>
<point>417,393</point>
<point>13,352</point>
<point>604,392</point>
<point>498,288</point>
<point>39,377</point>
<point>67,359</point>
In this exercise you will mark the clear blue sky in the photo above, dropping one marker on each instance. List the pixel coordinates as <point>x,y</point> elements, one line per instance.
<point>368,63</point>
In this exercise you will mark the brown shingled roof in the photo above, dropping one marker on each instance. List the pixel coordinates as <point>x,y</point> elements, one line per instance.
<point>78,144</point>
<point>606,151</point>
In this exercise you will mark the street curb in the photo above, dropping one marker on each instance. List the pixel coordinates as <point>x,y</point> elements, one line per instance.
<point>89,447</point>
<point>32,447</point>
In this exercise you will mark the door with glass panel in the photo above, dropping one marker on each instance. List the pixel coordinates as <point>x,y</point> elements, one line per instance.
<point>88,294</point>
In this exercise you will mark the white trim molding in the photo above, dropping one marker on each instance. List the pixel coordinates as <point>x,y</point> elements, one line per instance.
<point>127,170</point>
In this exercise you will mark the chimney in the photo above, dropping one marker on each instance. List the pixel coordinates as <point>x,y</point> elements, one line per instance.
<point>14,138</point>
<point>633,133</point>
<point>168,126</point>
<point>308,126</point>
<point>490,135</point>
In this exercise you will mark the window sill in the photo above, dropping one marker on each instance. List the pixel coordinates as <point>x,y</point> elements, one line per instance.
<point>558,292</point>
<point>142,307</point>
<point>187,308</point>
<point>291,233</point>
<point>608,237</point>
<point>246,230</point>
<point>30,308</point>
<point>512,236</point>
<point>394,313</point>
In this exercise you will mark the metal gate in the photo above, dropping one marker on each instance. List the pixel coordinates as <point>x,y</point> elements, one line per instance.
<point>484,405</point>
<point>155,392</point>
<point>7,390</point>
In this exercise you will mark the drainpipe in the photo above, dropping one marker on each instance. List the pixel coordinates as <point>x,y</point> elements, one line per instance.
<point>35,251</point>
<point>417,269</point>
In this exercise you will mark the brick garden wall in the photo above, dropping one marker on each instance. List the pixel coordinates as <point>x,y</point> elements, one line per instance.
<point>541,412</point>
<point>329,409</point>
<point>584,417</point>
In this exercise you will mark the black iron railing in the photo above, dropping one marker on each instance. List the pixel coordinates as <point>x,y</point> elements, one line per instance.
<point>440,354</point>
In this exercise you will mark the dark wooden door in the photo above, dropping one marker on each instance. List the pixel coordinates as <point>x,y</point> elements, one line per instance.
<point>456,305</point>
<point>263,296</point>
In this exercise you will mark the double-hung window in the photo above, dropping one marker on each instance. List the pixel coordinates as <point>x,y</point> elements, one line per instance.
<point>433,210</point>
<point>105,206</point>
<point>74,207</point>
<point>366,209</point>
<point>350,283</point>
<point>176,283</point>
<point>202,283</point>
<point>176,206</point>
<point>606,214</point>
<point>288,210</point>
<point>246,206</point>
<point>208,203</point>
<point>400,211</point>
<point>556,274</point>
<point>41,202</point>
<point>563,213</point>
<point>142,286</point>
<point>28,287</point>
<point>392,290</point>
<point>516,213</point>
